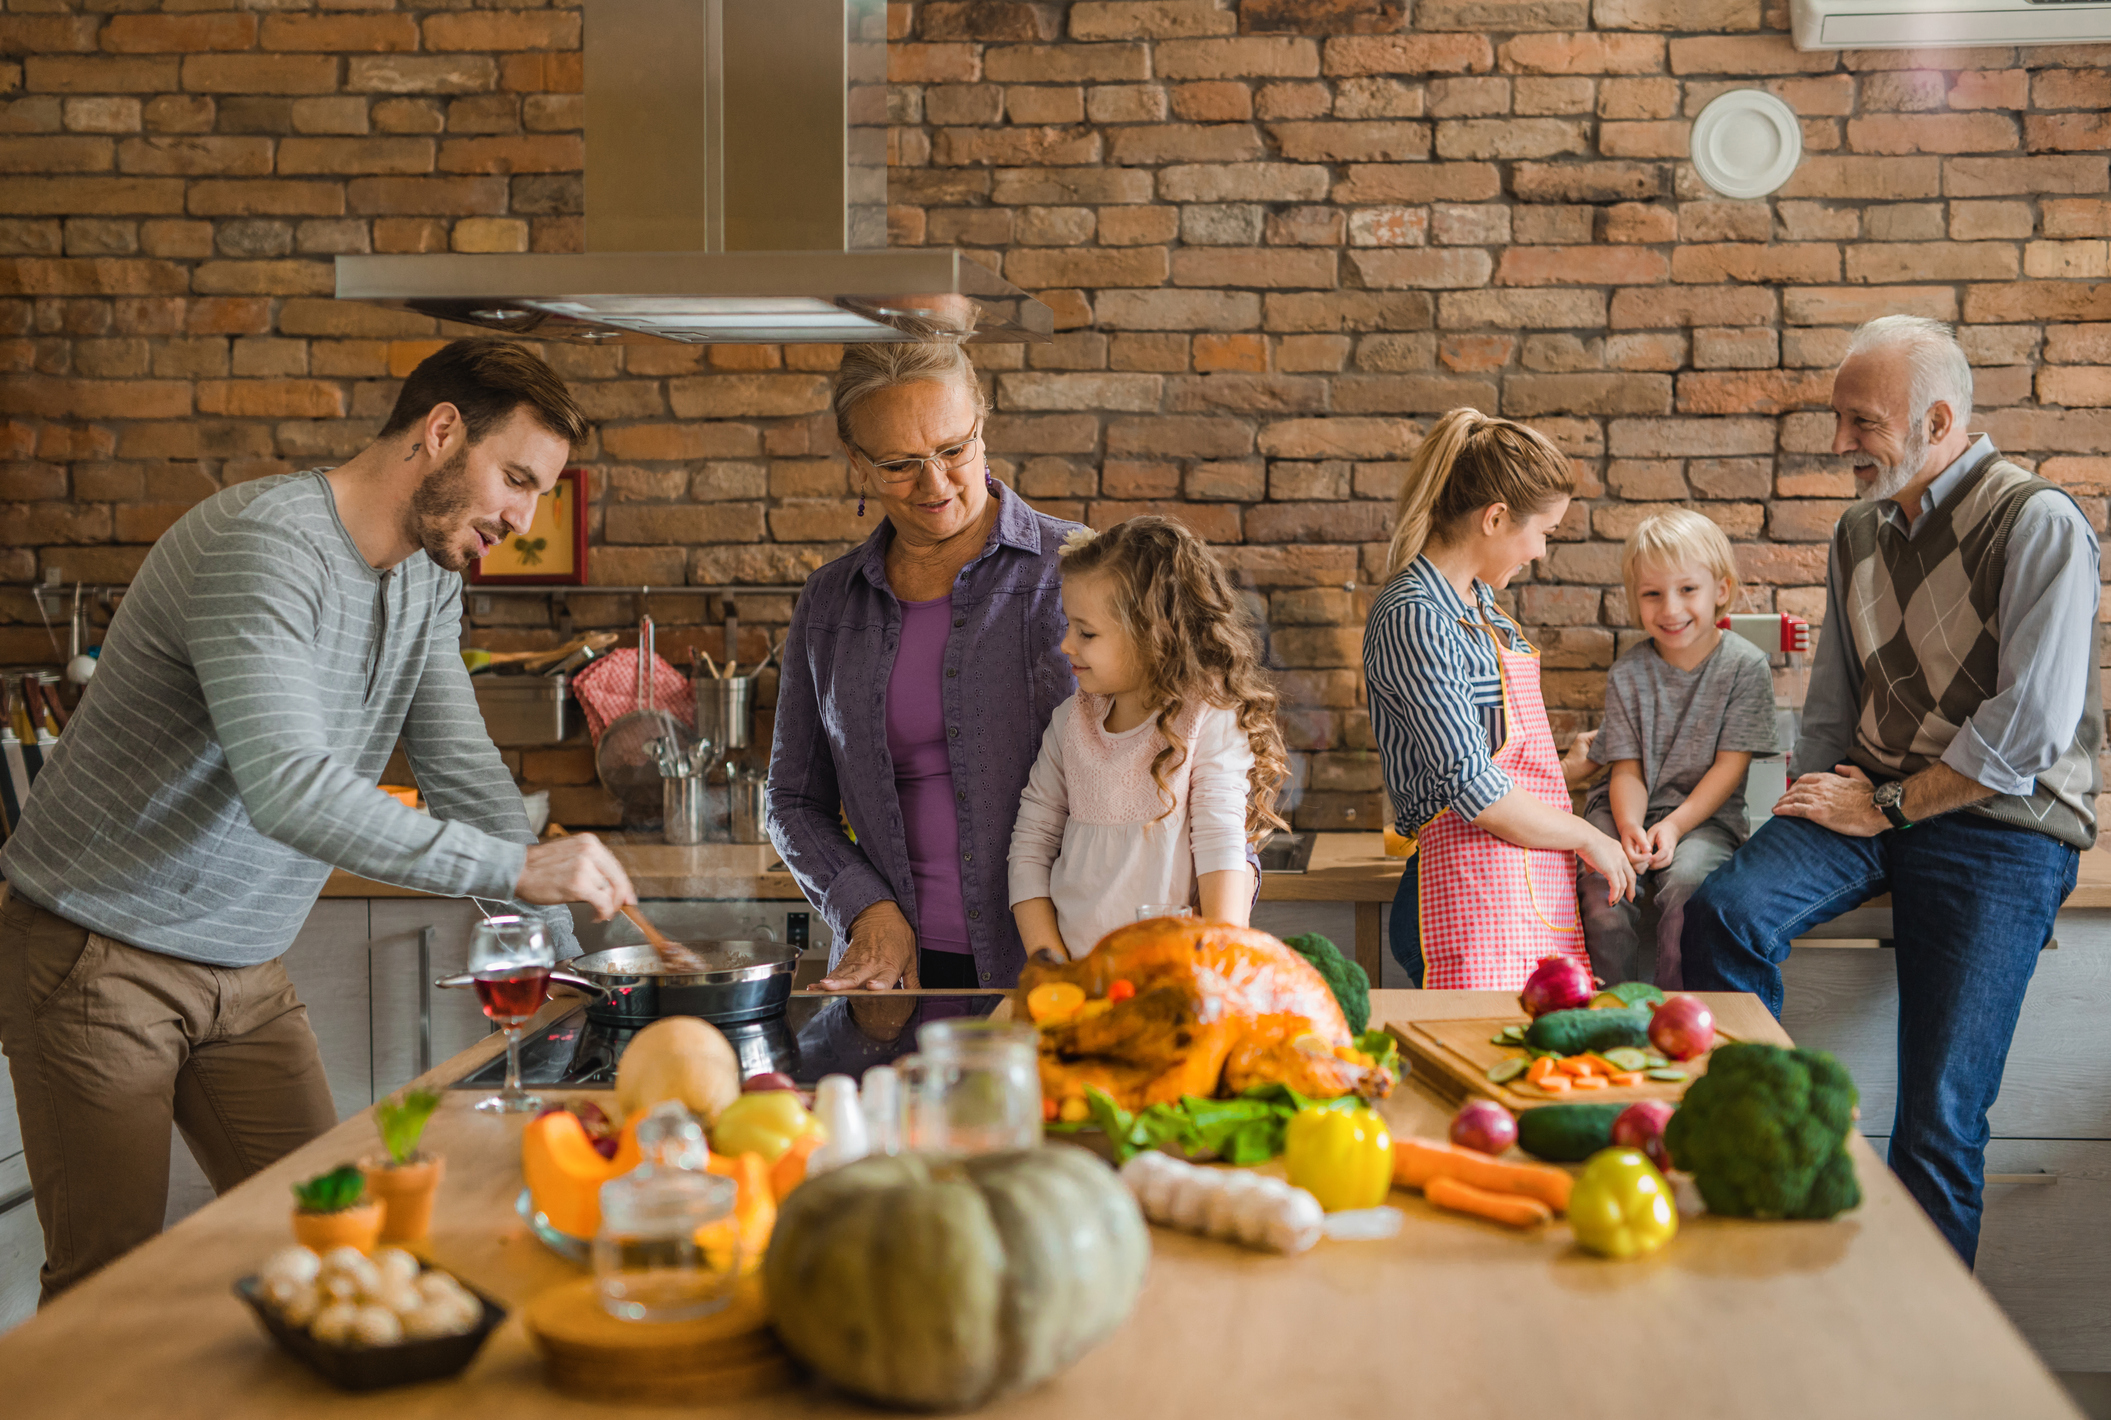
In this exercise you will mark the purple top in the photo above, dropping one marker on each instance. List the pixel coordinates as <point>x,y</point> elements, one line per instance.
<point>1000,678</point>
<point>923,775</point>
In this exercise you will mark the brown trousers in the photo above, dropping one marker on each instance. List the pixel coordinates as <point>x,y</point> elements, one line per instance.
<point>108,1044</point>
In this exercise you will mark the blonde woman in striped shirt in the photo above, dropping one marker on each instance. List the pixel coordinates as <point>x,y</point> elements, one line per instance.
<point>1462,729</point>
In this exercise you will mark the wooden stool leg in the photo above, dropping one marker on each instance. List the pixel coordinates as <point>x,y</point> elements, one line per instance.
<point>1370,939</point>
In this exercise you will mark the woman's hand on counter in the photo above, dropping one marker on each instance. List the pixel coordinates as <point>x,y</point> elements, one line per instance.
<point>576,868</point>
<point>880,957</point>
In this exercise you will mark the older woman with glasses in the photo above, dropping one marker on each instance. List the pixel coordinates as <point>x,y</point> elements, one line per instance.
<point>920,672</point>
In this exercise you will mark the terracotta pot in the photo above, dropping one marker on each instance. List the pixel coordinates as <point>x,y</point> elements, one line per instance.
<point>405,1192</point>
<point>358,1227</point>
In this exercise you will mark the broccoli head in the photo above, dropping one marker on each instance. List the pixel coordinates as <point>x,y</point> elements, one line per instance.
<point>1348,981</point>
<point>1764,1133</point>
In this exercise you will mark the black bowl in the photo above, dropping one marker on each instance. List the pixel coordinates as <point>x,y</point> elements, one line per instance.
<point>376,1367</point>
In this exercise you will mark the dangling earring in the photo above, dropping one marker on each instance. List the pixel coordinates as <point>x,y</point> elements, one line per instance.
<point>989,482</point>
<point>861,505</point>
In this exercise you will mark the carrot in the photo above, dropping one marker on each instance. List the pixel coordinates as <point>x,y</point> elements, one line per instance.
<point>1539,1069</point>
<point>1576,1067</point>
<point>1507,1208</point>
<point>1417,1161</point>
<point>1556,1084</point>
<point>1588,1082</point>
<point>1626,1079</point>
<point>1605,1066</point>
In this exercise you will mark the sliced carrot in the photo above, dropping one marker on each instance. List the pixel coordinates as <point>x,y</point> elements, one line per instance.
<point>1416,1162</point>
<point>1626,1079</point>
<point>1577,1065</point>
<point>1588,1082</point>
<point>1557,1084</point>
<point>1509,1209</point>
<point>1605,1066</point>
<point>1539,1069</point>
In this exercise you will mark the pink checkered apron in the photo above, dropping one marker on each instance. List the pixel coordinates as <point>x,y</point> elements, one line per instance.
<point>1490,909</point>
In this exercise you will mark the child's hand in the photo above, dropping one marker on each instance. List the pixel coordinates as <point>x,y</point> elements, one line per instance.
<point>1635,843</point>
<point>1577,765</point>
<point>1663,842</point>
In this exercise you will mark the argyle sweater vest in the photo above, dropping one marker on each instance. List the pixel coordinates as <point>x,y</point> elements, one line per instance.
<point>1924,613</point>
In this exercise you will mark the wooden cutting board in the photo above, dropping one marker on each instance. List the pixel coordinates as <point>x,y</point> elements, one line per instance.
<point>1454,1057</point>
<point>730,1355</point>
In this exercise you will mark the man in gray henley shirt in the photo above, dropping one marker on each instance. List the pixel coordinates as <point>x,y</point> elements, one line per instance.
<point>275,645</point>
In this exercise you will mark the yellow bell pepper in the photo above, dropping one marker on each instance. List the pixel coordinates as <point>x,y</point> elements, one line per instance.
<point>1621,1206</point>
<point>1344,1158</point>
<point>762,1122</point>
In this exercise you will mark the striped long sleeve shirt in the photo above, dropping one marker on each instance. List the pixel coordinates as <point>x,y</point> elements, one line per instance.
<point>255,680</point>
<point>1436,689</point>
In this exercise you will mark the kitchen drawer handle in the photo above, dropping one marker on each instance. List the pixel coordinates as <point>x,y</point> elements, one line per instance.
<point>2039,1177</point>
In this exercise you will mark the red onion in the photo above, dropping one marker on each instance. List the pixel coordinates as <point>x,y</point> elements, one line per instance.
<point>769,1080</point>
<point>1558,983</point>
<point>1682,1027</point>
<point>1484,1126</point>
<point>1641,1126</point>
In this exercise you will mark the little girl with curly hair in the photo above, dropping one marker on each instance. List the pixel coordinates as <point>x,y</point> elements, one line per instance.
<point>1154,777</point>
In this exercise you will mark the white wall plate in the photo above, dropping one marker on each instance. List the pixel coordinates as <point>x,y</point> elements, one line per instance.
<point>1746,143</point>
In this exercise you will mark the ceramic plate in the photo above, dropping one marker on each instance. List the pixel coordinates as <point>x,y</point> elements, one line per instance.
<point>1746,143</point>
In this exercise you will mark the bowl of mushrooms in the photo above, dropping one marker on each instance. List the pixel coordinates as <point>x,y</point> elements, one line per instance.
<point>363,1322</point>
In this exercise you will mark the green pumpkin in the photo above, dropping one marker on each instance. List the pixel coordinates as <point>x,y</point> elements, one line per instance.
<point>937,1283</point>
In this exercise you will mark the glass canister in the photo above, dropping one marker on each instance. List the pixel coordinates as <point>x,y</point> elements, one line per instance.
<point>669,1246</point>
<point>973,1087</point>
<point>748,806</point>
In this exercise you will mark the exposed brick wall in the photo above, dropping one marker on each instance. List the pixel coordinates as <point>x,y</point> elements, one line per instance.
<point>1278,236</point>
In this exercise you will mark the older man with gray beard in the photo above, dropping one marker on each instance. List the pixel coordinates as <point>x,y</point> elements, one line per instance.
<point>1948,753</point>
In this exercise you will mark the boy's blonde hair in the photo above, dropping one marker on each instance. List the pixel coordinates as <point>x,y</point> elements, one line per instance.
<point>1677,538</point>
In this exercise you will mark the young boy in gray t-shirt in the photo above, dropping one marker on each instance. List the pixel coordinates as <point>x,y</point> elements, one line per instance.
<point>1685,711</point>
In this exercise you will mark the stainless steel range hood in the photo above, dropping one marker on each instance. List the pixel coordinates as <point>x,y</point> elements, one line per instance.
<point>736,190</point>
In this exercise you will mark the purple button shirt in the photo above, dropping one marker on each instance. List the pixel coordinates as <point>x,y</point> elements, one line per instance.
<point>1004,674</point>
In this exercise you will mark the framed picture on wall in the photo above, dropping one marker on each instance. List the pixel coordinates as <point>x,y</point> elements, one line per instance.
<point>552,552</point>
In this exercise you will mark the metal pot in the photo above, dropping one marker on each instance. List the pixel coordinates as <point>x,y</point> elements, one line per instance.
<point>743,981</point>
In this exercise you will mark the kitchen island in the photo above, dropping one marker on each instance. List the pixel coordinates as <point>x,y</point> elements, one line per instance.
<point>1867,1315</point>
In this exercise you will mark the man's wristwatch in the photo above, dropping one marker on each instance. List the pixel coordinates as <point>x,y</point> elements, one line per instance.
<point>1887,798</point>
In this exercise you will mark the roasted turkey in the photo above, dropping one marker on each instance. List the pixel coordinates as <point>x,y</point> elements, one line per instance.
<point>1217,1010</point>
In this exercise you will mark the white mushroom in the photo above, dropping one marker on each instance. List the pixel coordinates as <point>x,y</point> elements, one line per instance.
<point>397,1267</point>
<point>333,1324</point>
<point>436,1319</point>
<point>437,1286</point>
<point>376,1326</point>
<point>300,1308</point>
<point>294,1265</point>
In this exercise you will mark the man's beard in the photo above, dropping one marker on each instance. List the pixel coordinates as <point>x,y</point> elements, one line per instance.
<point>434,521</point>
<point>1891,477</point>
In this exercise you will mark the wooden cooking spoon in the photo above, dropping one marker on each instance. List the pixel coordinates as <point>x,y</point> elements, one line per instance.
<point>673,955</point>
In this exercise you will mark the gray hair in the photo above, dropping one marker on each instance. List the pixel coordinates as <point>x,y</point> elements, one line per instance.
<point>868,369</point>
<point>1936,367</point>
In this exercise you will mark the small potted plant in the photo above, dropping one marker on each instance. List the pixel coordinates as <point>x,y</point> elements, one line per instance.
<point>332,1210</point>
<point>402,1177</point>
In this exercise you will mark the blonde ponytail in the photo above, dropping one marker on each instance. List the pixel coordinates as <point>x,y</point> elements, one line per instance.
<point>1466,462</point>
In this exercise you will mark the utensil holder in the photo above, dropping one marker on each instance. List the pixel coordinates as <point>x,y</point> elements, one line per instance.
<point>725,710</point>
<point>684,811</point>
<point>747,806</point>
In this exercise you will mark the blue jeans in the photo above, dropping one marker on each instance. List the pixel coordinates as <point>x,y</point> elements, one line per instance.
<point>1972,904</point>
<point>1403,930</point>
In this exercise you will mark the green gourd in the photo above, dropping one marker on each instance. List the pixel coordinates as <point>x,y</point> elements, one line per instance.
<point>1585,1029</point>
<point>1566,1133</point>
<point>936,1283</point>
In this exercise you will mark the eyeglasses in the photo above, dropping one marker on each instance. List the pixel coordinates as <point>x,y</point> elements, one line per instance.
<point>949,459</point>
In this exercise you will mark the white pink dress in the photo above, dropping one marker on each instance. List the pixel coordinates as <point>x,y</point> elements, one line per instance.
<point>1089,836</point>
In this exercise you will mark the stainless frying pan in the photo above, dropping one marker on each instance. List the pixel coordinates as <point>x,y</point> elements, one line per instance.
<point>741,981</point>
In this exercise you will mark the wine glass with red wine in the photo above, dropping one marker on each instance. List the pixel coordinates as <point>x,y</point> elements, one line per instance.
<point>511,959</point>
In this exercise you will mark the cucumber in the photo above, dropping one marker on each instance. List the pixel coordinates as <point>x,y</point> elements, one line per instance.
<point>1627,1058</point>
<point>1566,1133</point>
<point>1506,1070</point>
<point>1576,1032</point>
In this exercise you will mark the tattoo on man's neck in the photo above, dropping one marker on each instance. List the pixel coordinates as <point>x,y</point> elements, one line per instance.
<point>413,452</point>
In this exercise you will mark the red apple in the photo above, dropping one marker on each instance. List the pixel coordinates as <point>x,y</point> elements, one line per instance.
<point>769,1080</point>
<point>1682,1027</point>
<point>1484,1126</point>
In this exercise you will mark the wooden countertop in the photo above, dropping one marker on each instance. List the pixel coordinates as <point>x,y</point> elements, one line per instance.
<point>1869,1314</point>
<point>1345,867</point>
